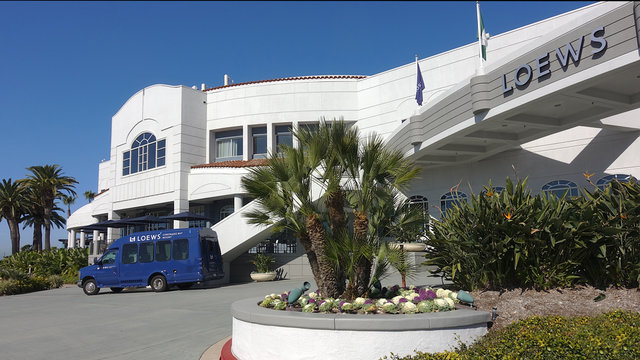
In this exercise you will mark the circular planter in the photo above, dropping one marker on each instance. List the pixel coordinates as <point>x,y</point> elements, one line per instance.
<point>263,276</point>
<point>410,247</point>
<point>260,333</point>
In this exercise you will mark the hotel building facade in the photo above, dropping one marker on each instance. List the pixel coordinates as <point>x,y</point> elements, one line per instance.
<point>555,99</point>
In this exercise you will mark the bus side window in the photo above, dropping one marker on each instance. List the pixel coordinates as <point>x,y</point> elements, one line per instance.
<point>130,254</point>
<point>146,252</point>
<point>163,250</point>
<point>180,249</point>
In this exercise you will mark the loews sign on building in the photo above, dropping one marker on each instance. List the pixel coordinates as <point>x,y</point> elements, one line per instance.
<point>524,74</point>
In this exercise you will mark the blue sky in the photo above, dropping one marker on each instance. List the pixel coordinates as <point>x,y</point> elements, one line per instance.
<point>67,67</point>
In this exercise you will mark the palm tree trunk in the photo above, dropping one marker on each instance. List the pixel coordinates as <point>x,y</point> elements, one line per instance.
<point>313,259</point>
<point>37,236</point>
<point>363,264</point>
<point>327,274</point>
<point>338,224</point>
<point>14,230</point>
<point>47,228</point>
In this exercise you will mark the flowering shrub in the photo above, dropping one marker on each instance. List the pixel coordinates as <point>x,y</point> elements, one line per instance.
<point>397,300</point>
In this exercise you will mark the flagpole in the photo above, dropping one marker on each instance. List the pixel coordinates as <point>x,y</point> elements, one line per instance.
<point>481,67</point>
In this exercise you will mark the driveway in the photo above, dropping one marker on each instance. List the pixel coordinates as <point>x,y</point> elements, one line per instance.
<point>139,324</point>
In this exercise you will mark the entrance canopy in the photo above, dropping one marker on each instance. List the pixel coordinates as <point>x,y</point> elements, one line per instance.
<point>186,216</point>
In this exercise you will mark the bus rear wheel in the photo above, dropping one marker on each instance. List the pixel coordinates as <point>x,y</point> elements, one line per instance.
<point>158,283</point>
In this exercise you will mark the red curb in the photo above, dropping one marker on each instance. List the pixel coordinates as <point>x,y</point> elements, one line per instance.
<point>226,354</point>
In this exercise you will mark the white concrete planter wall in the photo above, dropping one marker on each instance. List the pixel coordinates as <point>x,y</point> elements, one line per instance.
<point>260,333</point>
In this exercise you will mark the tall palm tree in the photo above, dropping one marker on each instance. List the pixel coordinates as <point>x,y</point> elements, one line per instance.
<point>89,195</point>
<point>51,184</point>
<point>282,189</point>
<point>12,208</point>
<point>35,217</point>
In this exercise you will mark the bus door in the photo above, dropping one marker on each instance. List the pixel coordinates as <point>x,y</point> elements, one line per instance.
<point>211,259</point>
<point>107,272</point>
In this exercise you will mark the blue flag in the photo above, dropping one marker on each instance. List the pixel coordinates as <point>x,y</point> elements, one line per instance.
<point>419,87</point>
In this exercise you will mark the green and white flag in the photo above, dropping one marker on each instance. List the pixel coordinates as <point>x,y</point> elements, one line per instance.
<point>482,35</point>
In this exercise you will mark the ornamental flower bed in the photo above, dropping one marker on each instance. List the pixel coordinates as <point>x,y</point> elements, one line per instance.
<point>396,300</point>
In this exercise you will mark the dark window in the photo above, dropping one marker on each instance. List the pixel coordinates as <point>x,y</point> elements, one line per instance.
<point>163,250</point>
<point>126,163</point>
<point>180,249</point>
<point>130,254</point>
<point>283,136</point>
<point>259,141</point>
<point>559,187</point>
<point>146,252</point>
<point>603,182</point>
<point>146,153</point>
<point>451,199</point>
<point>109,257</point>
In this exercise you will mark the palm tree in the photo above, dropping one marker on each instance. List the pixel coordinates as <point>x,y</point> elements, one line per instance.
<point>12,208</point>
<point>89,195</point>
<point>35,217</point>
<point>51,184</point>
<point>334,159</point>
<point>69,200</point>
<point>282,189</point>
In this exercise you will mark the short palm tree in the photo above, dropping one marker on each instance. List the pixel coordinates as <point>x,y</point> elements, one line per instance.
<point>89,195</point>
<point>12,208</point>
<point>49,182</point>
<point>68,200</point>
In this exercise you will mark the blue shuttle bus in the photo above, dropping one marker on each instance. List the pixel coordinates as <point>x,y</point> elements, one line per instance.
<point>158,259</point>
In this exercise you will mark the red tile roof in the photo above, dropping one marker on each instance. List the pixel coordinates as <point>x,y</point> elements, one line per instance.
<point>291,78</point>
<point>101,192</point>
<point>233,164</point>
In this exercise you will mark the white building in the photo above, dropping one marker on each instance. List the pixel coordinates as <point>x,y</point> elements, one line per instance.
<point>556,99</point>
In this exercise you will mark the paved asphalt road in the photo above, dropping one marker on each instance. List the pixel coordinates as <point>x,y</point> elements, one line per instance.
<point>65,324</point>
<point>139,324</point>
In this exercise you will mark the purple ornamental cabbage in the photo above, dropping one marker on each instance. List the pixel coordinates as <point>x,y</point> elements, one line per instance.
<point>402,300</point>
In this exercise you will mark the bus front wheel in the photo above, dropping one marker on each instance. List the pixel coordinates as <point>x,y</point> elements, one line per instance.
<point>90,288</point>
<point>159,283</point>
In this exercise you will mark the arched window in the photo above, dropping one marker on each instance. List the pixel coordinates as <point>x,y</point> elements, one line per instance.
<point>226,211</point>
<point>146,153</point>
<point>558,188</point>
<point>421,203</point>
<point>448,200</point>
<point>603,182</point>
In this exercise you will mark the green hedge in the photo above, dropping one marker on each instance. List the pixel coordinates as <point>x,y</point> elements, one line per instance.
<point>516,239</point>
<point>63,262</point>
<point>613,335</point>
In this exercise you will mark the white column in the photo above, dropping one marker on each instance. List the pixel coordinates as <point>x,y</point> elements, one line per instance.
<point>237,202</point>
<point>246,136</point>
<point>71,239</point>
<point>96,238</point>
<point>113,233</point>
<point>294,140</point>
<point>178,207</point>
<point>82,239</point>
<point>271,139</point>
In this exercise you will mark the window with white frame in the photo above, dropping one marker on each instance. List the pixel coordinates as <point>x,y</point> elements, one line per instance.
<point>145,153</point>
<point>283,136</point>
<point>421,203</point>
<point>229,145</point>
<point>559,187</point>
<point>259,141</point>
<point>451,199</point>
<point>603,182</point>
<point>226,211</point>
